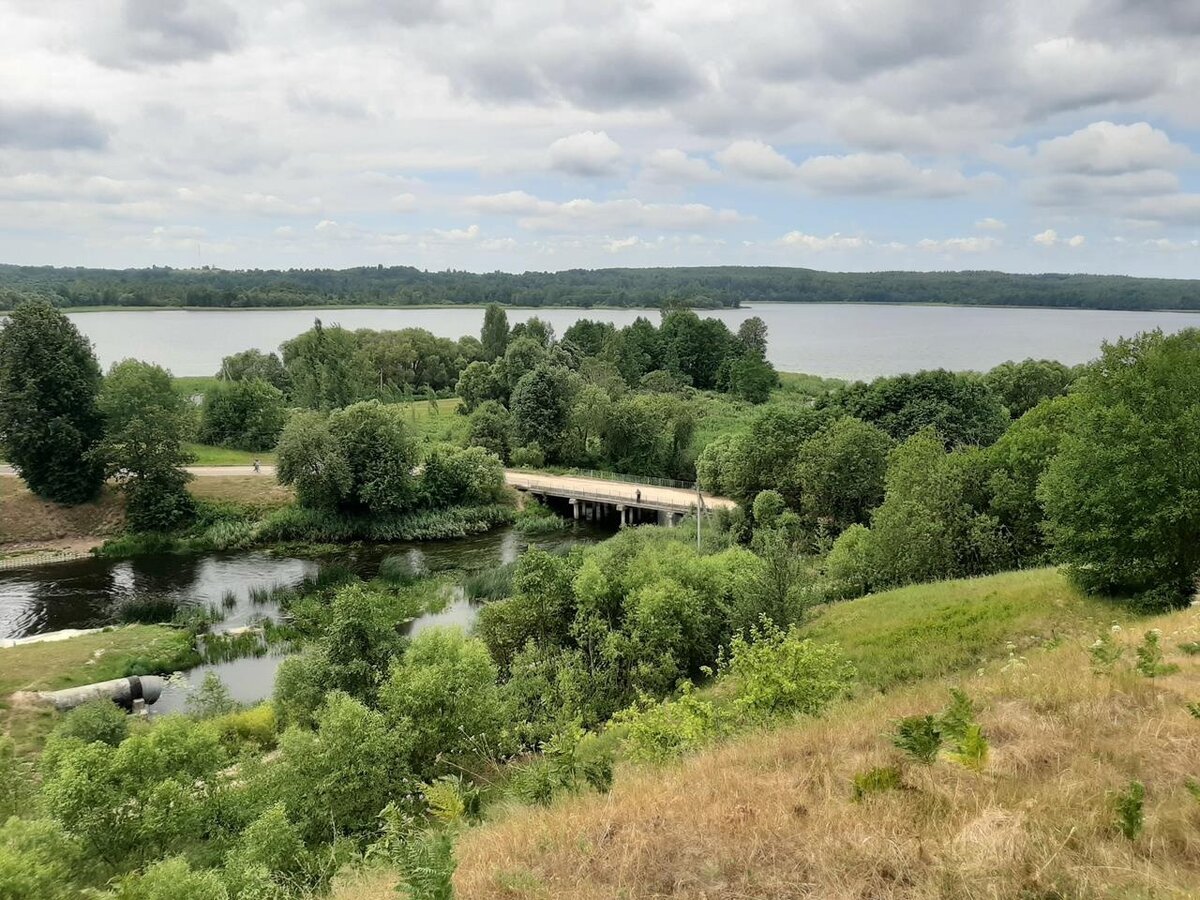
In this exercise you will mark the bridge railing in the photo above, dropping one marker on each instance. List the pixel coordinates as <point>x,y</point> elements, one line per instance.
<point>613,476</point>
<point>614,497</point>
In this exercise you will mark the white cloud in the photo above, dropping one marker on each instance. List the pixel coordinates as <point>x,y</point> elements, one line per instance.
<point>959,244</point>
<point>884,174</point>
<point>677,166</point>
<point>815,242</point>
<point>1171,209</point>
<point>754,159</point>
<point>586,154</point>
<point>601,215</point>
<point>990,223</point>
<point>1103,148</point>
<point>1050,238</point>
<point>457,235</point>
<point>619,244</point>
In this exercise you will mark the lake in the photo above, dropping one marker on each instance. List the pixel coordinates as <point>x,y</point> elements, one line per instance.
<point>831,339</point>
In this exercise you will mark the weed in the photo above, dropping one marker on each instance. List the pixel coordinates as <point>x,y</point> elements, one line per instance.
<point>229,599</point>
<point>490,584</point>
<point>876,781</point>
<point>1194,709</point>
<point>1105,653</point>
<point>971,749</point>
<point>1191,648</point>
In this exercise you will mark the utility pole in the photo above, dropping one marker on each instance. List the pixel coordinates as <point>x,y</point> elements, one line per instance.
<point>699,512</point>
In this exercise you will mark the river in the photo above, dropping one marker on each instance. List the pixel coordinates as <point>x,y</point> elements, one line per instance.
<point>89,593</point>
<point>841,340</point>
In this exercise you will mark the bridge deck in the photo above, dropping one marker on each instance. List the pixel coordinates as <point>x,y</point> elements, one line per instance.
<point>623,492</point>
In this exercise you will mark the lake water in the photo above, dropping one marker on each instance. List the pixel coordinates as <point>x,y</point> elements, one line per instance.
<point>831,339</point>
<point>86,593</point>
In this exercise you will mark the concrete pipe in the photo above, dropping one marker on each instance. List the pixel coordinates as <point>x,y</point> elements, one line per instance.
<point>124,692</point>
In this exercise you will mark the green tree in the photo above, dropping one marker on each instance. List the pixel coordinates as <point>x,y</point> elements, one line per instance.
<point>1121,495</point>
<point>49,421</point>
<point>491,429</point>
<point>961,407</point>
<point>254,364</point>
<point>145,422</point>
<point>311,460</point>
<point>649,434</point>
<point>841,471</point>
<point>381,455</point>
<point>478,383</point>
<point>1023,385</point>
<point>328,368</point>
<point>752,335</point>
<point>752,378</point>
<point>462,476</point>
<point>494,334</point>
<point>541,408</point>
<point>524,354</point>
<point>248,414</point>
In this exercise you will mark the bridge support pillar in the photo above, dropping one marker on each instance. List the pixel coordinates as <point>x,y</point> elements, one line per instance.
<point>621,512</point>
<point>574,508</point>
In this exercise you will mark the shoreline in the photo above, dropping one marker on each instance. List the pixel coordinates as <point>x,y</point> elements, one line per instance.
<point>73,310</point>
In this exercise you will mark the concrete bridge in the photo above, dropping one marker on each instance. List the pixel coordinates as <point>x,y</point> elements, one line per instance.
<point>600,498</point>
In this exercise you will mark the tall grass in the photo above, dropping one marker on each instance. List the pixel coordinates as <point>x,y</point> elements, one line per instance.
<point>298,523</point>
<point>490,584</point>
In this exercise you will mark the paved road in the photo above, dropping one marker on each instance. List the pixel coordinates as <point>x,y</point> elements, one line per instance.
<point>558,485</point>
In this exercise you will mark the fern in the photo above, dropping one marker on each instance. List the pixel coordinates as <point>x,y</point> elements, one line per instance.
<point>971,749</point>
<point>1194,709</point>
<point>426,863</point>
<point>920,737</point>
<point>958,717</point>
<point>1150,657</point>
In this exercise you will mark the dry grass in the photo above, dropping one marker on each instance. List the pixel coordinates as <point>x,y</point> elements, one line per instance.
<point>771,814</point>
<point>259,491</point>
<point>27,519</point>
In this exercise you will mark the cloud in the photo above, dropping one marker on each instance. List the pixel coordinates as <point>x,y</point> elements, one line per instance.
<point>1119,19</point>
<point>1099,191</point>
<point>959,244</point>
<point>676,166</point>
<point>1050,238</point>
<point>42,128</point>
<point>814,242</point>
<point>161,32</point>
<point>1071,73</point>
<point>990,224</point>
<point>458,235</point>
<point>586,215</point>
<point>754,159</point>
<point>884,174</point>
<point>1103,148</point>
<point>588,154</point>
<point>1170,209</point>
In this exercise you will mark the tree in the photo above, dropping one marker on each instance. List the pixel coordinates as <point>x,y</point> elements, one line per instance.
<point>456,475</point>
<point>524,354</point>
<point>328,368</point>
<point>494,334</point>
<point>311,460</point>
<point>252,364</point>
<point>1022,386</point>
<point>541,407</point>
<point>381,455</point>
<point>1121,495</point>
<point>841,471</point>
<point>649,434</point>
<point>491,429</point>
<point>477,384</point>
<point>637,349</point>
<point>752,334</point>
<point>961,407</point>
<point>49,421</point>
<point>247,414</point>
<point>694,347</point>
<point>752,378</point>
<point>145,422</point>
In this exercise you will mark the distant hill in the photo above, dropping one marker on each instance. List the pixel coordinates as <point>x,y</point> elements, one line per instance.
<point>716,286</point>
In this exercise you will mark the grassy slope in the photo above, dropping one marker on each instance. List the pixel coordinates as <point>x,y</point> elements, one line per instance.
<point>933,629</point>
<point>61,664</point>
<point>25,518</point>
<point>770,814</point>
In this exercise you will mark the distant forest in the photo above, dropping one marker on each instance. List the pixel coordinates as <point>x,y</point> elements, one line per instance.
<point>708,287</point>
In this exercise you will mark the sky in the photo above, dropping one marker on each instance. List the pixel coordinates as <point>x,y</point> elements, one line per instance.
<point>552,134</point>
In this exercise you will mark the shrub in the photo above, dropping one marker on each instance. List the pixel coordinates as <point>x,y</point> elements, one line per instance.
<point>1105,652</point>
<point>97,720</point>
<point>39,861</point>
<point>246,414</point>
<point>255,726</point>
<point>848,565</point>
<point>529,457</point>
<point>211,698</point>
<point>768,506</point>
<point>1150,656</point>
<point>777,673</point>
<point>442,693</point>
<point>875,781</point>
<point>300,685</point>
<point>658,732</point>
<point>172,879</point>
<point>16,782</point>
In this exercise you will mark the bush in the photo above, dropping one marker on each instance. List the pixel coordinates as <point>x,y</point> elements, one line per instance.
<point>97,720</point>
<point>658,732</point>
<point>875,781</point>
<point>442,694</point>
<point>848,565</point>
<point>300,685</point>
<point>529,457</point>
<point>246,414</point>
<point>768,506</point>
<point>297,523</point>
<point>172,879</point>
<point>777,673</point>
<point>255,726</point>
<point>39,861</point>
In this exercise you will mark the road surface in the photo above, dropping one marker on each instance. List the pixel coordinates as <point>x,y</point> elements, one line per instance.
<point>568,486</point>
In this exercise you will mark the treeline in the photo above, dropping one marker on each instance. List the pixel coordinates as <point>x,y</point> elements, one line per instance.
<point>708,287</point>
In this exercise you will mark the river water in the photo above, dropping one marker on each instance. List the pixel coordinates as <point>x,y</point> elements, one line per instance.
<point>88,593</point>
<point>842,340</point>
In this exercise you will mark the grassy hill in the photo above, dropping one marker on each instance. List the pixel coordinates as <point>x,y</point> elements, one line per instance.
<point>772,814</point>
